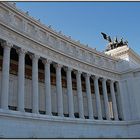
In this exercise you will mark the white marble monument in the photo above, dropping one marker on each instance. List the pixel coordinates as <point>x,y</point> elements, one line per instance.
<point>54,87</point>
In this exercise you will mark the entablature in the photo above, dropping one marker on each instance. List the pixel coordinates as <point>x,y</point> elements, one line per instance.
<point>32,28</point>
<point>52,54</point>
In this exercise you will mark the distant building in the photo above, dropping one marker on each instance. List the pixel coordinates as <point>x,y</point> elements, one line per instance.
<point>54,87</point>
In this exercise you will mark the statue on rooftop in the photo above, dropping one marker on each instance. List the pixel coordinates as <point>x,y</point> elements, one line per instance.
<point>113,44</point>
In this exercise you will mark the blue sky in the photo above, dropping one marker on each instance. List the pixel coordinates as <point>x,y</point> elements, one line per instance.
<point>85,21</point>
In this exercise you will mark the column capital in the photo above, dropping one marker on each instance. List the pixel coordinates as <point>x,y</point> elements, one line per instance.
<point>21,51</point>
<point>58,66</point>
<point>111,81</point>
<point>68,69</point>
<point>77,72</point>
<point>34,56</point>
<point>95,77</point>
<point>46,61</point>
<point>104,79</point>
<point>118,81</point>
<point>86,75</point>
<point>7,44</point>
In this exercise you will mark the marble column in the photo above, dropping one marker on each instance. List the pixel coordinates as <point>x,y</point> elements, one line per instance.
<point>5,75</point>
<point>70,93</point>
<point>80,95</point>
<point>120,101</point>
<point>98,100</point>
<point>59,90</point>
<point>21,79</point>
<point>114,104</point>
<point>47,87</point>
<point>35,105</point>
<point>89,97</point>
<point>105,95</point>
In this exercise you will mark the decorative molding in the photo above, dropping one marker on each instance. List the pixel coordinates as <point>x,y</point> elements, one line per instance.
<point>46,52</point>
<point>7,44</point>
<point>33,29</point>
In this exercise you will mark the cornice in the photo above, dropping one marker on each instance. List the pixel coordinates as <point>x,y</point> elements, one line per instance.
<point>102,68</point>
<point>134,55</point>
<point>52,54</point>
<point>118,51</point>
<point>63,37</point>
<point>125,50</point>
<point>131,71</point>
<point>76,53</point>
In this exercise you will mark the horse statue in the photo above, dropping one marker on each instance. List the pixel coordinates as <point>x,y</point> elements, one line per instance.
<point>113,44</point>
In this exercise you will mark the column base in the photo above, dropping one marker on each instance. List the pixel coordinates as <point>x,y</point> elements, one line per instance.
<point>61,115</point>
<point>4,107</point>
<point>49,114</point>
<point>71,116</point>
<point>20,110</point>
<point>91,117</point>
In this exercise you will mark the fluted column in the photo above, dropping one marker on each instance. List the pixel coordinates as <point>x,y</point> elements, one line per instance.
<point>80,95</point>
<point>59,90</point>
<point>70,93</point>
<point>47,87</point>
<point>5,75</point>
<point>115,111</point>
<point>21,79</point>
<point>121,113</point>
<point>97,95</point>
<point>105,98</point>
<point>35,105</point>
<point>89,98</point>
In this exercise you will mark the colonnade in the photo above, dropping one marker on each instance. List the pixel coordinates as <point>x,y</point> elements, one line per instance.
<point>35,93</point>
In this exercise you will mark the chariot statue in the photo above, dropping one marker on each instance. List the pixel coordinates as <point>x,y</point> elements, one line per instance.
<point>112,44</point>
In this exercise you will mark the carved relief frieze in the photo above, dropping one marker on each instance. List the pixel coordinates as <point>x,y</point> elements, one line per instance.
<point>69,49</point>
<point>3,13</point>
<point>58,44</point>
<point>55,56</point>
<point>88,57</point>
<point>37,34</point>
<point>30,29</point>
<point>42,34</point>
<point>63,45</point>
<point>11,18</point>
<point>18,22</point>
<point>49,39</point>
<point>52,41</point>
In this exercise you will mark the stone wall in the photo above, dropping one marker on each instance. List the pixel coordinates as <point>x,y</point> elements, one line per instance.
<point>15,125</point>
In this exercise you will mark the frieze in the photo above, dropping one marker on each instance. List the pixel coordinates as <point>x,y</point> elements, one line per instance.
<point>3,13</point>
<point>17,21</point>
<point>78,53</point>
<point>38,49</point>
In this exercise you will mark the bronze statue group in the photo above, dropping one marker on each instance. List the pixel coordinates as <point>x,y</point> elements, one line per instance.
<point>113,44</point>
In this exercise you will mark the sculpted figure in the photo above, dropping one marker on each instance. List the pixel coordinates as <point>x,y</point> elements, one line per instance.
<point>113,44</point>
